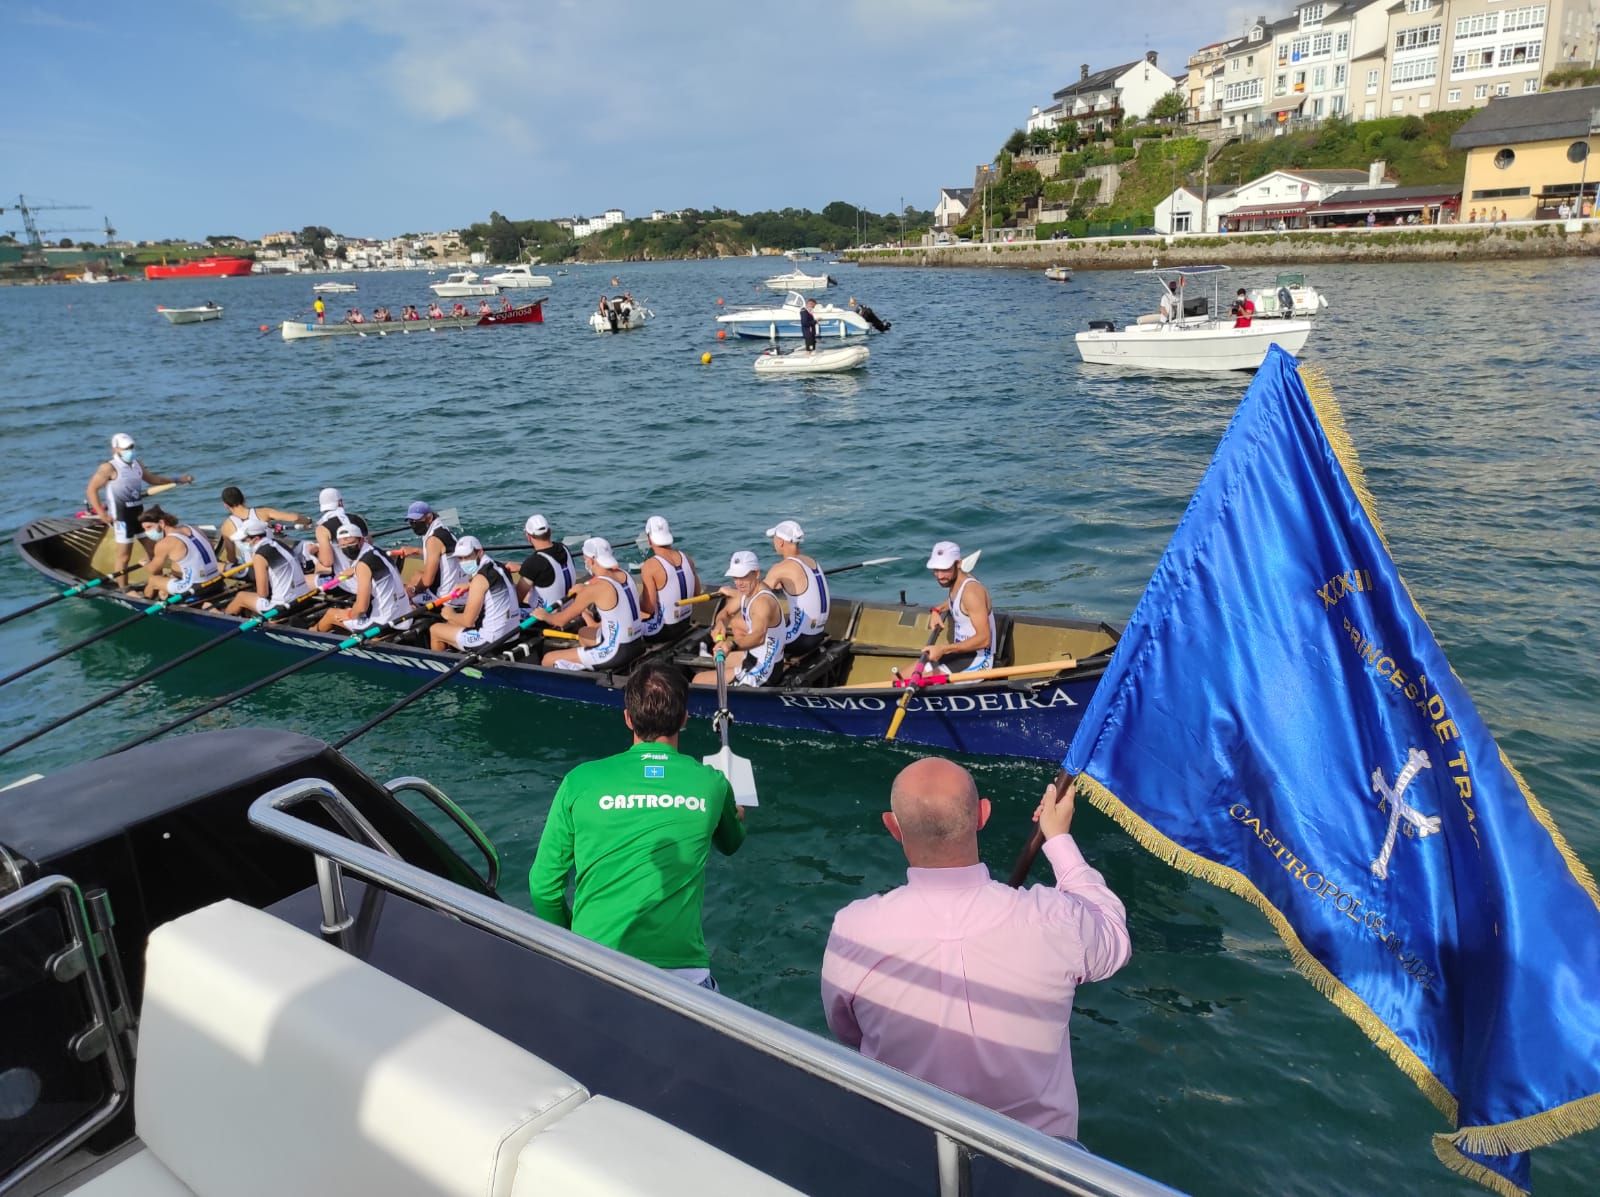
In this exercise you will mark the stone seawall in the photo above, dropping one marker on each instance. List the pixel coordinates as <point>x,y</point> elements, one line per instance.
<point>1546,239</point>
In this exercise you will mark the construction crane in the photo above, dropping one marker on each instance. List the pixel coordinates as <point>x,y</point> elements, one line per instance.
<point>33,255</point>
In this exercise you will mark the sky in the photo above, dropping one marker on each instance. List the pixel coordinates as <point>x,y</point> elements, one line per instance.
<point>190,118</point>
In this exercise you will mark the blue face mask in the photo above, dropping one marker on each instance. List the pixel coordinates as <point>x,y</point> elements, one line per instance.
<point>127,455</point>
<point>469,566</point>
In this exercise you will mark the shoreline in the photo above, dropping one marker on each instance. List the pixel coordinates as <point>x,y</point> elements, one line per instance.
<point>1525,239</point>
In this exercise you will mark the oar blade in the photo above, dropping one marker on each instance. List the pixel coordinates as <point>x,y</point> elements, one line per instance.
<point>739,774</point>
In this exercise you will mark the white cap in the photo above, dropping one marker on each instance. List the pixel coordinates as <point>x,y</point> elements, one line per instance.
<point>328,498</point>
<point>788,530</point>
<point>122,441</point>
<point>254,527</point>
<point>348,532</point>
<point>599,549</point>
<point>742,564</point>
<point>658,530</point>
<point>537,525</point>
<point>946,553</point>
<point>467,546</point>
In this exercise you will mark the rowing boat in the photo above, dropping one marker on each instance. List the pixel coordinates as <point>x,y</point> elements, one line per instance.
<point>197,315</point>
<point>844,688</point>
<point>302,330</point>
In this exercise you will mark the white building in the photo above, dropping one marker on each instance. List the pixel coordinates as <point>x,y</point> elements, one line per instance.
<point>1105,98</point>
<point>1279,197</point>
<point>1187,210</point>
<point>1315,52</point>
<point>952,207</point>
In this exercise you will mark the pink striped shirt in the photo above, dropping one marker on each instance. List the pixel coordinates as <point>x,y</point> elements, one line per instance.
<point>968,983</point>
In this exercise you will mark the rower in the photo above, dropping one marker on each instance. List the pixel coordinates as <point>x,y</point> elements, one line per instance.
<point>380,593</point>
<point>232,544</point>
<point>441,573</point>
<point>491,610</point>
<point>546,576</point>
<point>274,570</point>
<point>613,636</point>
<point>665,581</point>
<point>435,312</point>
<point>330,558</point>
<point>123,479</point>
<point>753,634</point>
<point>799,578</point>
<point>182,561</point>
<point>969,608</point>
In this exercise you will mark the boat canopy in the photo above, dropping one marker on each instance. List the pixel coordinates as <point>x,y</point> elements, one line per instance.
<point>1186,271</point>
<point>1290,280</point>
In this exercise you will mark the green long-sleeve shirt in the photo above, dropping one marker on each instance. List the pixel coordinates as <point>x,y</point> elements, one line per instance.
<point>637,828</point>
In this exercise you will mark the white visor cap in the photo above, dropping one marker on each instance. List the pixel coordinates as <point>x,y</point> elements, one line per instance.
<point>598,549</point>
<point>122,441</point>
<point>467,546</point>
<point>742,564</point>
<point>254,527</point>
<point>349,532</point>
<point>787,530</point>
<point>946,555</point>
<point>658,530</point>
<point>328,498</point>
<point>537,525</point>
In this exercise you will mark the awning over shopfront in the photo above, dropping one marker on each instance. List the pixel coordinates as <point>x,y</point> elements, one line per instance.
<point>1388,199</point>
<point>1287,104</point>
<point>1267,212</point>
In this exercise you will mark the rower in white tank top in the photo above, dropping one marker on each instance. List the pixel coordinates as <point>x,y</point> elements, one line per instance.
<point>760,663</point>
<point>287,581</point>
<point>197,565</point>
<point>389,598</point>
<point>681,583</point>
<point>241,544</point>
<point>802,582</point>
<point>963,629</point>
<point>620,626</point>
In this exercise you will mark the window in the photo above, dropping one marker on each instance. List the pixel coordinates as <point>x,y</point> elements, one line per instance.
<point>1249,60</point>
<point>1319,78</point>
<point>1424,101</point>
<point>1281,85</point>
<point>1418,5</point>
<point>1372,82</point>
<point>1341,43</point>
<point>1413,70</point>
<point>1180,223</point>
<point>1531,17</point>
<point>1577,151</point>
<point>1337,107</point>
<point>1471,60</point>
<point>1482,25</point>
<point>1502,89</point>
<point>1300,48</point>
<point>1481,92</point>
<point>1501,193</point>
<point>1504,158</point>
<point>1299,81</point>
<point>1419,38</point>
<point>1396,105</point>
<point>1245,89</point>
<point>1521,54</point>
<point>1453,96</point>
<point>1321,45</point>
<point>1529,86</point>
<point>1340,75</point>
<point>1316,106</point>
<point>1312,13</point>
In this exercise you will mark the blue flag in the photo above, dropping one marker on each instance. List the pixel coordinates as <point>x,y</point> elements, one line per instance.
<point>1279,720</point>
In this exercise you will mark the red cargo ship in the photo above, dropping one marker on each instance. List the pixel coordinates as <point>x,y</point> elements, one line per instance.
<point>202,268</point>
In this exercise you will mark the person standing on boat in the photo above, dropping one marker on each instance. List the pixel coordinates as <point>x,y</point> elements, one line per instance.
<point>969,610</point>
<point>380,593</point>
<point>808,325</point>
<point>1243,309</point>
<point>642,824</point>
<point>546,576</point>
<point>961,980</point>
<point>182,561</point>
<point>321,309</point>
<point>123,479</point>
<point>612,636</point>
<point>665,581</point>
<point>490,610</point>
<point>232,543</point>
<point>441,572</point>
<point>753,632</point>
<point>274,570</point>
<point>800,580</point>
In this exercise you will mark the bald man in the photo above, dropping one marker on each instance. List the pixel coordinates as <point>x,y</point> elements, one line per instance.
<point>962,980</point>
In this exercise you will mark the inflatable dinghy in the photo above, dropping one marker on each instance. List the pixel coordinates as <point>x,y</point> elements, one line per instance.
<point>817,361</point>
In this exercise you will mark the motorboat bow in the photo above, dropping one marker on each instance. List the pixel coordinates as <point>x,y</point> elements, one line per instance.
<point>771,322</point>
<point>334,288</point>
<point>1058,274</point>
<point>1289,296</point>
<point>519,277</point>
<point>462,284</point>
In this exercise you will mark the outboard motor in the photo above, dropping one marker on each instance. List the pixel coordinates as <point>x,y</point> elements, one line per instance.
<point>1285,302</point>
<point>872,318</point>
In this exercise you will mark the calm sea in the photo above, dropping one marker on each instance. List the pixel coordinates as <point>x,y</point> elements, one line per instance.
<point>1208,1062</point>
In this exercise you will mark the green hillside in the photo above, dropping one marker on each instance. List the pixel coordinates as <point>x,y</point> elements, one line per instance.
<point>1417,149</point>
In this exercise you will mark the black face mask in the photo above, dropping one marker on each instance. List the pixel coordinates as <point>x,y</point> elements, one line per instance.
<point>420,527</point>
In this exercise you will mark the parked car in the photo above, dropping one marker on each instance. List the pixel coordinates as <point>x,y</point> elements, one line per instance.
<point>1061,235</point>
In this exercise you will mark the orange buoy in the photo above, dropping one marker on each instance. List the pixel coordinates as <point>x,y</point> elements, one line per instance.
<point>719,301</point>
<point>722,334</point>
<point>265,327</point>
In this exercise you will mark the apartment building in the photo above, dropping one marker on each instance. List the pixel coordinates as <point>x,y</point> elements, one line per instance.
<point>1202,88</point>
<point>1243,82</point>
<point>1449,54</point>
<point>1313,56</point>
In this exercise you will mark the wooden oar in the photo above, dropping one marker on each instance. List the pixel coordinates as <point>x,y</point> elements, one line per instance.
<point>735,768</point>
<point>151,675</point>
<point>350,641</point>
<point>69,592</point>
<point>899,715</point>
<point>171,600</point>
<point>1060,665</point>
<point>1025,858</point>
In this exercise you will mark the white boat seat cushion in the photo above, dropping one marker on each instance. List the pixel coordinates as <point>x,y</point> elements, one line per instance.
<point>271,1063</point>
<point>140,1175</point>
<point>607,1149</point>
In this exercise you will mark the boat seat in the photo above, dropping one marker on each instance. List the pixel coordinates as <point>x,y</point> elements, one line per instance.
<point>271,1062</point>
<point>579,1157</point>
<point>814,665</point>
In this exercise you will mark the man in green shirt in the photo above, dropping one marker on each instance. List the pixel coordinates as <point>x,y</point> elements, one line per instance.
<point>637,828</point>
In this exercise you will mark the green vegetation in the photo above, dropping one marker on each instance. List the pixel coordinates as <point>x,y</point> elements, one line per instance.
<point>177,251</point>
<point>1567,76</point>
<point>1168,107</point>
<point>1417,149</point>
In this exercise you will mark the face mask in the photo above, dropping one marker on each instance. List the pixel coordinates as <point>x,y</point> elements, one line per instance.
<point>350,551</point>
<point>127,455</point>
<point>469,567</point>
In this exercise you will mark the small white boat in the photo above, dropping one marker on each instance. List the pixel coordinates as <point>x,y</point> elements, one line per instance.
<point>462,284</point>
<point>197,315</point>
<point>519,277</point>
<point>1288,296</point>
<point>1195,340</point>
<point>771,322</point>
<point>814,361</point>
<point>799,280</point>
<point>89,276</point>
<point>332,288</point>
<point>1058,274</point>
<point>630,319</point>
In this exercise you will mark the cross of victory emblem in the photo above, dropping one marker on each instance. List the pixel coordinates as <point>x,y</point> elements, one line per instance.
<point>1395,797</point>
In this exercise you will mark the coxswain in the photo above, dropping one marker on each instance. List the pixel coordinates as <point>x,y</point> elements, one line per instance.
<point>972,616</point>
<point>752,633</point>
<point>491,611</point>
<point>800,579</point>
<point>232,544</point>
<point>440,572</point>
<point>546,576</point>
<point>614,634</point>
<point>330,558</point>
<point>123,479</point>
<point>320,308</point>
<point>665,581</point>
<point>435,312</point>
<point>380,592</point>
<point>182,561</point>
<point>277,577</point>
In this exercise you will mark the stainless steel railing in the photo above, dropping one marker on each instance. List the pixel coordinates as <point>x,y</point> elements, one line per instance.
<point>963,1128</point>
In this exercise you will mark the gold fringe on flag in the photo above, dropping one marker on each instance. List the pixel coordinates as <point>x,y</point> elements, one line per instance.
<point>1451,1158</point>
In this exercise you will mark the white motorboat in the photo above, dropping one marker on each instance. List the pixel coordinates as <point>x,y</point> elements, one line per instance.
<point>1058,274</point>
<point>519,277</point>
<point>1192,338</point>
<point>628,319</point>
<point>1288,296</point>
<point>209,311</point>
<point>783,320</point>
<point>799,280</point>
<point>812,361</point>
<point>333,288</point>
<point>462,284</point>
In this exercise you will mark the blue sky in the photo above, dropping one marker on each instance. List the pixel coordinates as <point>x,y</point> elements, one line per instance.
<point>376,117</point>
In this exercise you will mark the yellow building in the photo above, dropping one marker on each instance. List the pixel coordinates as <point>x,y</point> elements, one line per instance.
<point>1528,156</point>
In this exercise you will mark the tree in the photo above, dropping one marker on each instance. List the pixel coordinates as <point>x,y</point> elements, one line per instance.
<point>313,236</point>
<point>1040,139</point>
<point>1066,136</point>
<point>64,243</point>
<point>1169,107</point>
<point>1015,144</point>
